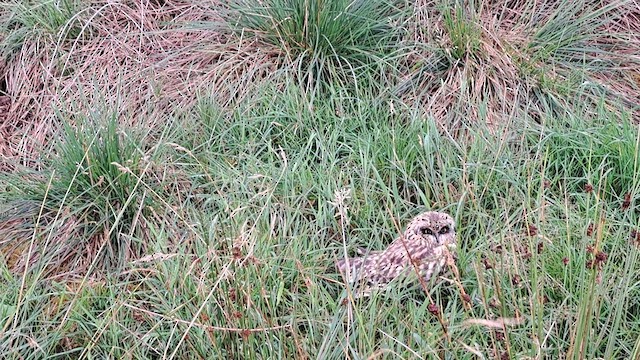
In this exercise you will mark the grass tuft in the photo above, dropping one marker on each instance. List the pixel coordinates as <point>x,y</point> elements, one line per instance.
<point>487,61</point>
<point>93,203</point>
<point>327,41</point>
<point>29,20</point>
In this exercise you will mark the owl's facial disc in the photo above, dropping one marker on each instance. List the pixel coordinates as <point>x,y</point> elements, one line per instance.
<point>437,234</point>
<point>435,228</point>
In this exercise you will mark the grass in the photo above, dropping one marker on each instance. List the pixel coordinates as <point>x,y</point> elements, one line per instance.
<point>331,41</point>
<point>190,201</point>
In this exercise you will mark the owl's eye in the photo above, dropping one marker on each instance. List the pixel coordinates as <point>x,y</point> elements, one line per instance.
<point>426,231</point>
<point>444,230</point>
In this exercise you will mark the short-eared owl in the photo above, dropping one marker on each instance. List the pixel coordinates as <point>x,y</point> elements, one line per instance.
<point>425,245</point>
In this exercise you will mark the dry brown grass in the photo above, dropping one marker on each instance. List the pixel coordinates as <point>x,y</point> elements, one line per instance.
<point>487,73</point>
<point>153,59</point>
<point>146,60</point>
<point>504,70</point>
<point>624,81</point>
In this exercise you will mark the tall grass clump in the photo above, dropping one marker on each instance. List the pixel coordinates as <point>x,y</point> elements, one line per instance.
<point>462,31</point>
<point>26,21</point>
<point>326,41</point>
<point>91,202</point>
<point>99,168</point>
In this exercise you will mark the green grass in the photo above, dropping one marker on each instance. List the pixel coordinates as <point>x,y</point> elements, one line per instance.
<point>95,188</point>
<point>246,269</point>
<point>56,21</point>
<point>324,41</point>
<point>210,229</point>
<point>464,36</point>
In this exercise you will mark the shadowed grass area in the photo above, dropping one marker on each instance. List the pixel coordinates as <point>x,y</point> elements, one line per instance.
<point>192,203</point>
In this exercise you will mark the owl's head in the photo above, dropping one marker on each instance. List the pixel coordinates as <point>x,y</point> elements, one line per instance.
<point>434,228</point>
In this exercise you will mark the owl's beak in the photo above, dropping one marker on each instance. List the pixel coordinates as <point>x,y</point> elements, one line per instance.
<point>448,243</point>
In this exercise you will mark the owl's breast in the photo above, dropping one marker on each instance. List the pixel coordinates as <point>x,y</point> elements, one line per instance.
<point>429,268</point>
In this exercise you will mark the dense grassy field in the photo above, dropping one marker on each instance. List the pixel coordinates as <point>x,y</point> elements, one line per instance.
<point>179,177</point>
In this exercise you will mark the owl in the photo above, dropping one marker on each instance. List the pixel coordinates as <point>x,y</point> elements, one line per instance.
<point>427,242</point>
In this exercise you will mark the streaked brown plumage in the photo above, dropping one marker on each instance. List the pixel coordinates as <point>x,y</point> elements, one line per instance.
<point>425,245</point>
